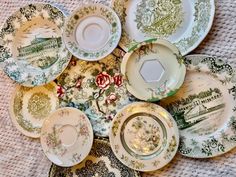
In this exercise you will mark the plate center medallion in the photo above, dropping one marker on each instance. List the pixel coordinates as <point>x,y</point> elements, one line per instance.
<point>68,135</point>
<point>93,33</point>
<point>143,135</point>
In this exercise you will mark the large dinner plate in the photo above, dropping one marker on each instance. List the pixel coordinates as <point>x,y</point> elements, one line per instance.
<point>183,22</point>
<point>32,52</point>
<point>205,108</point>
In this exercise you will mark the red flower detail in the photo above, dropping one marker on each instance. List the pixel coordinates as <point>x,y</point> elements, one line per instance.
<point>60,91</point>
<point>111,98</point>
<point>118,80</point>
<point>79,83</point>
<point>103,80</point>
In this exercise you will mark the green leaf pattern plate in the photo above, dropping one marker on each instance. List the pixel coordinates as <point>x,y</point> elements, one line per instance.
<point>29,107</point>
<point>182,22</point>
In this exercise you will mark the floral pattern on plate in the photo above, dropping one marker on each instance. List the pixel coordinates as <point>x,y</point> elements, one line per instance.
<point>144,136</point>
<point>33,53</point>
<point>30,106</point>
<point>184,23</point>
<point>100,162</point>
<point>97,88</point>
<point>66,137</point>
<point>204,108</point>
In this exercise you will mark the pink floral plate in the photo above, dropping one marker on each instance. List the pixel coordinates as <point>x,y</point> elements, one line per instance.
<point>66,137</point>
<point>96,88</point>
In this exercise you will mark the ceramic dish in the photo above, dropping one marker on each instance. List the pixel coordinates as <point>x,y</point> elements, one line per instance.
<point>33,53</point>
<point>182,22</point>
<point>29,107</point>
<point>144,136</point>
<point>154,70</point>
<point>205,108</point>
<point>92,32</point>
<point>96,88</point>
<point>66,137</point>
<point>100,162</point>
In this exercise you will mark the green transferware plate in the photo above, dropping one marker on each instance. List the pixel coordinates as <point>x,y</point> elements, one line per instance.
<point>100,162</point>
<point>92,32</point>
<point>32,52</point>
<point>144,136</point>
<point>182,22</point>
<point>29,107</point>
<point>205,107</point>
<point>154,69</point>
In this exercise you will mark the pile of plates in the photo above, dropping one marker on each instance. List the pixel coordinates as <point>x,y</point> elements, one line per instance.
<point>106,91</point>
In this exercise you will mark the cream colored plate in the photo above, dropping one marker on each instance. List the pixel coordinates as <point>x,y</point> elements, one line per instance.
<point>30,106</point>
<point>67,137</point>
<point>144,136</point>
<point>154,69</point>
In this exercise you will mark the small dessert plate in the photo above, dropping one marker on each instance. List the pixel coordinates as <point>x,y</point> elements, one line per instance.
<point>92,32</point>
<point>182,22</point>
<point>144,136</point>
<point>205,108</point>
<point>66,137</point>
<point>29,107</point>
<point>33,53</point>
<point>96,88</point>
<point>101,162</point>
<point>154,69</point>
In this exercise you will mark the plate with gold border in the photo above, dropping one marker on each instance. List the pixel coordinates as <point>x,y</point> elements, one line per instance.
<point>144,136</point>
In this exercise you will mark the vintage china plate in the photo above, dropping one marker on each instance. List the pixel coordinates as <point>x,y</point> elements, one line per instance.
<point>66,137</point>
<point>154,70</point>
<point>92,32</point>
<point>144,136</point>
<point>33,53</point>
<point>205,108</point>
<point>29,107</point>
<point>182,22</point>
<point>100,162</point>
<point>96,88</point>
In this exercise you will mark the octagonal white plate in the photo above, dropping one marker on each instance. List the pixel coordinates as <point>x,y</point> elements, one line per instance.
<point>183,22</point>
<point>205,107</point>
<point>144,136</point>
<point>92,32</point>
<point>33,53</point>
<point>66,137</point>
<point>29,107</point>
<point>154,69</point>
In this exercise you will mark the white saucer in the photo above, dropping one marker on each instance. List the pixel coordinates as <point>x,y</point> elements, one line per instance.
<point>66,137</point>
<point>92,32</point>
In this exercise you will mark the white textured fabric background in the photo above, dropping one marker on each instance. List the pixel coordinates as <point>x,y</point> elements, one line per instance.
<point>22,156</point>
